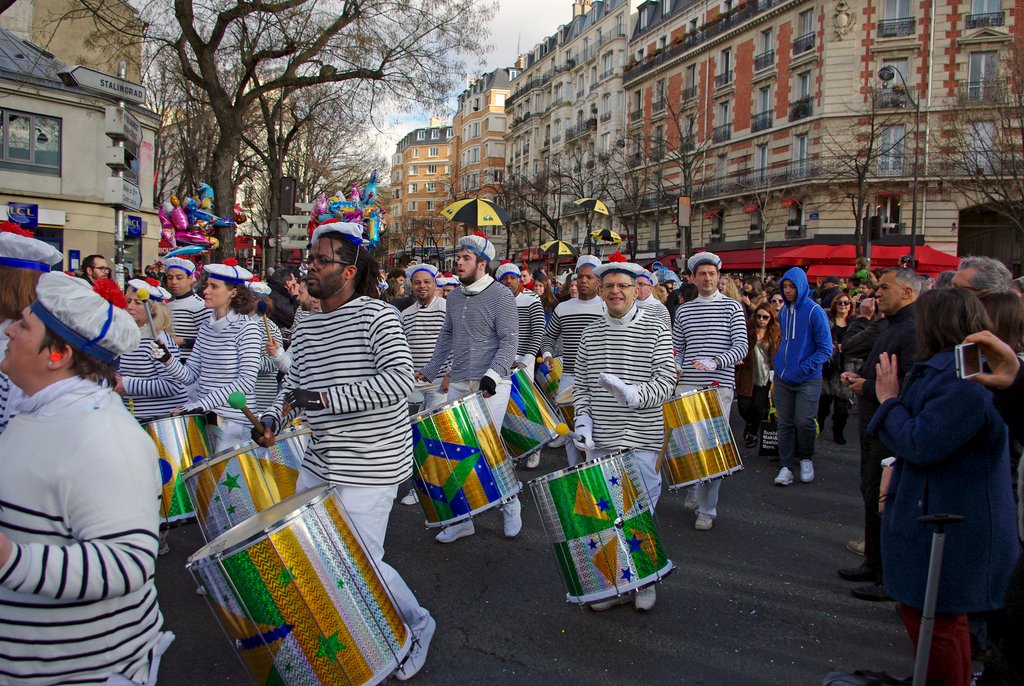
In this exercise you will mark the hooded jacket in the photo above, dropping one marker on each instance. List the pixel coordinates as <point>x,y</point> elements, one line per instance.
<point>806,339</point>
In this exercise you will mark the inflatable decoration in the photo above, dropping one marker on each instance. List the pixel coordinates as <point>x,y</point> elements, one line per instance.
<point>361,206</point>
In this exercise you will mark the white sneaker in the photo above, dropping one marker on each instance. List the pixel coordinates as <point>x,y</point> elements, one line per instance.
<point>609,604</point>
<point>806,471</point>
<point>418,655</point>
<point>512,513</point>
<point>533,460</point>
<point>691,503</point>
<point>703,523</point>
<point>455,532</point>
<point>410,498</point>
<point>644,600</point>
<point>785,477</point>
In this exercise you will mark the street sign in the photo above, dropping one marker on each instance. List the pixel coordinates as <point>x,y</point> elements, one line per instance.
<point>812,216</point>
<point>123,193</point>
<point>103,84</point>
<point>121,125</point>
<point>124,160</point>
<point>134,226</point>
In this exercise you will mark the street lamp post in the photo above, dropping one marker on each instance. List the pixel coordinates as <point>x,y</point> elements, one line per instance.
<point>887,73</point>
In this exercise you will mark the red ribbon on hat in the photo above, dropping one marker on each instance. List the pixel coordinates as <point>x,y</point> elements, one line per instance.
<point>16,229</point>
<point>109,291</point>
<point>617,256</point>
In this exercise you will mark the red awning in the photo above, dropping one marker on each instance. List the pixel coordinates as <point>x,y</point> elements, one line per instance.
<point>789,202</point>
<point>929,259</point>
<point>711,213</point>
<point>748,260</point>
<point>750,209</point>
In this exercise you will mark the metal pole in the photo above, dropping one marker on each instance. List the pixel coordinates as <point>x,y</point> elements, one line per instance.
<point>122,72</point>
<point>917,148</point>
<point>931,593</point>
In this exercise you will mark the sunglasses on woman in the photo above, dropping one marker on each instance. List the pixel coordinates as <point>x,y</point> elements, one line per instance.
<point>845,303</point>
<point>764,317</point>
<point>776,300</point>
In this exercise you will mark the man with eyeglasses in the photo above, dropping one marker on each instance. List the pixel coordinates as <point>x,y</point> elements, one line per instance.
<point>95,267</point>
<point>566,326</point>
<point>645,283</point>
<point>710,338</point>
<point>624,374</point>
<point>480,336</point>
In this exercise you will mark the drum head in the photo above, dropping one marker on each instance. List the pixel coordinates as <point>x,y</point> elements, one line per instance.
<point>441,409</point>
<point>256,527</point>
<point>565,397</point>
<point>582,465</point>
<point>176,419</point>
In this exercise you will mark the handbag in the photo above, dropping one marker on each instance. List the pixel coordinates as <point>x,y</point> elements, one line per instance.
<point>768,435</point>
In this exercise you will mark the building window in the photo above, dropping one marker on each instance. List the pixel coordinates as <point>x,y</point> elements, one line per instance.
<point>431,168</point>
<point>761,161</point>
<point>982,72</point>
<point>413,170</point>
<point>430,205</point>
<point>421,135</point>
<point>411,205</point>
<point>432,152</point>
<point>890,150</point>
<point>800,151</point>
<point>413,188</point>
<point>435,134</point>
<point>31,143</point>
<point>979,145</point>
<point>415,152</point>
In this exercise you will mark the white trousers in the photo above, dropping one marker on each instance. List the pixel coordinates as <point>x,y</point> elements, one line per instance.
<point>647,461</point>
<point>228,433</point>
<point>368,509</point>
<point>707,492</point>
<point>572,453</point>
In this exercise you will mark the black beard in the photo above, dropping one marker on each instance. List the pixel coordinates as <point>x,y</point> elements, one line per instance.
<point>321,290</point>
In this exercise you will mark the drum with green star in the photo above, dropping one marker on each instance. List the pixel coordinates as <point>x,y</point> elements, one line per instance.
<point>529,422</point>
<point>299,597</point>
<point>234,485</point>
<point>597,517</point>
<point>181,441</point>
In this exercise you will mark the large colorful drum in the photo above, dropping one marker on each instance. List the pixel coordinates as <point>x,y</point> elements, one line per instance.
<point>461,465</point>
<point>181,441</point>
<point>564,401</point>
<point>234,485</point>
<point>299,597</point>
<point>549,376</point>
<point>529,422</point>
<point>598,518</point>
<point>699,445</point>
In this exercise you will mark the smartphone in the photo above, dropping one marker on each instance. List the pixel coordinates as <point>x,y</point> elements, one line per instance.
<point>968,360</point>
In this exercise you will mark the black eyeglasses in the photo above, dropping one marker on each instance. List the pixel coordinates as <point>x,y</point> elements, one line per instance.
<point>844,302</point>
<point>319,261</point>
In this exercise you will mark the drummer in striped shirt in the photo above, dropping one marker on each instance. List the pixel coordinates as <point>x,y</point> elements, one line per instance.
<point>351,375</point>
<point>710,338</point>
<point>531,316</point>
<point>188,310</point>
<point>566,327</point>
<point>624,374</point>
<point>645,284</point>
<point>422,322</point>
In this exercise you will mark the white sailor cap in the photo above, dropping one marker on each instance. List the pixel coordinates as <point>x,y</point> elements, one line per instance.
<point>152,287</point>
<point>260,288</point>
<point>413,268</point>
<point>618,264</point>
<point>91,319</point>
<point>505,268</point>
<point>181,263</point>
<point>588,260</point>
<point>21,251</point>
<point>350,230</point>
<point>229,272</point>
<point>478,243</point>
<point>703,258</point>
<point>648,276</point>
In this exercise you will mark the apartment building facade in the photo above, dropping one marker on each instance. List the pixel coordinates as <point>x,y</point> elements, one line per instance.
<point>777,110</point>
<point>421,175</point>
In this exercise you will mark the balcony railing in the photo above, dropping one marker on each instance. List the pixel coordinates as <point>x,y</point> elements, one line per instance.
<point>980,21</point>
<point>891,166</point>
<point>764,60</point>
<point>987,90</point>
<point>688,143</point>
<point>574,132</point>
<point>723,79</point>
<point>569,208</point>
<point>891,98</point>
<point>658,105</point>
<point>689,93</point>
<point>606,116</point>
<point>722,133</point>
<point>801,109</point>
<point>803,43</point>
<point>796,230</point>
<point>761,121</point>
<point>894,28</point>
<point>636,116</point>
<point>547,143</point>
<point>580,93</point>
<point>608,73</point>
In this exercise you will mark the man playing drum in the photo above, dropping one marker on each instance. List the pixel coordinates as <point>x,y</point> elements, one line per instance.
<point>624,374</point>
<point>480,335</point>
<point>567,323</point>
<point>710,339</point>
<point>188,310</point>
<point>351,375</point>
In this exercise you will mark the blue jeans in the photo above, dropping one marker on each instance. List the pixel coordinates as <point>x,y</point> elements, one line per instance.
<point>797,406</point>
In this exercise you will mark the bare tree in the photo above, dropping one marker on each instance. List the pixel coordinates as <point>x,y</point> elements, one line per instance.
<point>634,177</point>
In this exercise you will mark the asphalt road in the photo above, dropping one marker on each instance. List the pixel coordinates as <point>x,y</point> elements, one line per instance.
<point>756,600</point>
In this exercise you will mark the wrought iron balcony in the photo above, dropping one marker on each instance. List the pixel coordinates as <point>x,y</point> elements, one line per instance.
<point>764,60</point>
<point>894,28</point>
<point>979,21</point>
<point>891,165</point>
<point>658,105</point>
<point>796,230</point>
<point>761,121</point>
<point>802,108</point>
<point>986,90</point>
<point>891,98</point>
<point>606,116</point>
<point>723,79</point>
<point>803,43</point>
<point>689,93</point>
<point>722,133</point>
<point>636,116</point>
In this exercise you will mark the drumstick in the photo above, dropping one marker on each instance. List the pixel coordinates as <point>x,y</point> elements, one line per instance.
<point>261,307</point>
<point>237,401</point>
<point>143,295</point>
<point>564,430</point>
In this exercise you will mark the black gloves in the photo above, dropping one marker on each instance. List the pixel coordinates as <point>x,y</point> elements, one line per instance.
<point>160,352</point>
<point>487,385</point>
<point>302,399</point>
<point>269,423</point>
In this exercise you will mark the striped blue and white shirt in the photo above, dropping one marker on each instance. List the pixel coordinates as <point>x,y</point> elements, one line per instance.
<point>657,308</point>
<point>422,326</point>
<point>710,327</point>
<point>566,327</point>
<point>153,395</point>
<point>531,325</point>
<point>188,312</point>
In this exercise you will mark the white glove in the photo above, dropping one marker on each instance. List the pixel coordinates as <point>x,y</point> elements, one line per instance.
<point>625,393</point>
<point>584,430</point>
<point>706,364</point>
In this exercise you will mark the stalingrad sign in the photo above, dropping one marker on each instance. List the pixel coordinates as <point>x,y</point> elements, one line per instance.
<point>103,84</point>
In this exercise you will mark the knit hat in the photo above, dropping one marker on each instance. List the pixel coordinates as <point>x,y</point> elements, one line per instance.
<point>20,250</point>
<point>260,288</point>
<point>477,243</point>
<point>703,258</point>
<point>648,276</point>
<point>505,268</point>
<point>153,288</point>
<point>618,264</point>
<point>229,272</point>
<point>91,319</point>
<point>350,230</point>
<point>585,260</point>
<point>181,263</point>
<point>413,268</point>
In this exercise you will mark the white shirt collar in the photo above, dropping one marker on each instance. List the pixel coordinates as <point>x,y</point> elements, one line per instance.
<point>478,286</point>
<point>626,319</point>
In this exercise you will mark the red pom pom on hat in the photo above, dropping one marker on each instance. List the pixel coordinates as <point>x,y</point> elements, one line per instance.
<point>16,229</point>
<point>447,275</point>
<point>617,256</point>
<point>109,291</point>
<point>230,262</point>
<point>481,234</point>
<point>152,282</point>
<point>505,262</point>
